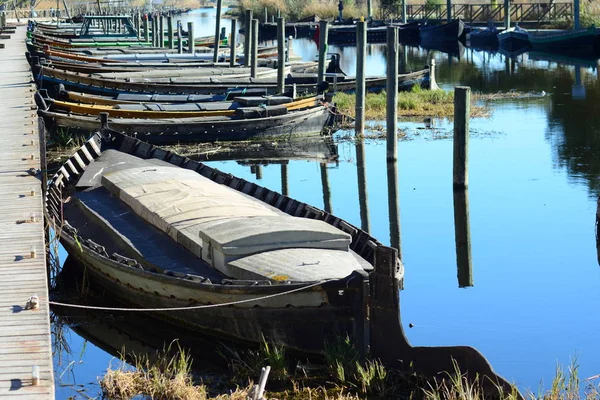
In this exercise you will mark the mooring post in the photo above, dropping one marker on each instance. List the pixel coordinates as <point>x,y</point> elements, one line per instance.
<point>462,113</point>
<point>233,44</point>
<point>223,33</point>
<point>361,50</point>
<point>361,173</point>
<point>254,64</point>
<point>217,31</point>
<point>323,37</point>
<point>462,236</point>
<point>146,30</point>
<point>170,31</point>
<point>161,35</point>
<point>288,45</point>
<point>266,15</point>
<point>284,179</point>
<point>392,92</point>
<point>576,12</point>
<point>326,190</point>
<point>191,44</point>
<point>179,38</point>
<point>432,82</point>
<point>280,55</point>
<point>506,14</point>
<point>448,10</point>
<point>103,120</point>
<point>155,33</point>
<point>404,19</point>
<point>248,38</point>
<point>369,10</point>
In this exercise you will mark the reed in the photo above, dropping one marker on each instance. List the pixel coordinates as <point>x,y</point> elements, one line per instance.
<point>296,9</point>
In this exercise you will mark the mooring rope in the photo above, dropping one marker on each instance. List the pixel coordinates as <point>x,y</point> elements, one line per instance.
<point>231,303</point>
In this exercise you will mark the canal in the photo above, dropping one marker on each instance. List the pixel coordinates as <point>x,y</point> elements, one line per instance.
<point>532,296</point>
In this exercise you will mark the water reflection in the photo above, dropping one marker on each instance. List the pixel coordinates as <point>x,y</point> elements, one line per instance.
<point>394,205</point>
<point>462,237</point>
<point>363,197</point>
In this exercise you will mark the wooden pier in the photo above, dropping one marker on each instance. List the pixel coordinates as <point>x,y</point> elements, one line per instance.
<point>24,332</point>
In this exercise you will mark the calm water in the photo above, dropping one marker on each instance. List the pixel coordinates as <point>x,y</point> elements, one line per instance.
<point>533,186</point>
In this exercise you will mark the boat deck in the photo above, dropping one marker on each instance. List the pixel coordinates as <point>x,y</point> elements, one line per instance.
<point>24,333</point>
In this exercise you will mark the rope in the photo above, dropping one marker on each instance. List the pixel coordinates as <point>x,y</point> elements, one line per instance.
<point>231,303</point>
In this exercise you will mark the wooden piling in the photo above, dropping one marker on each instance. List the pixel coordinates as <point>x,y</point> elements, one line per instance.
<point>179,38</point>
<point>280,55</point>
<point>146,30</point>
<point>191,44</point>
<point>254,63</point>
<point>462,113</point>
<point>326,190</point>
<point>284,179</point>
<point>506,14</point>
<point>576,14</point>
<point>170,32</point>
<point>369,10</point>
<point>404,19</point>
<point>361,173</point>
<point>248,38</point>
<point>392,92</point>
<point>161,34</point>
<point>223,33</point>
<point>266,15</point>
<point>361,50</point>
<point>462,237</point>
<point>217,30</point>
<point>448,10</point>
<point>323,37</point>
<point>233,44</point>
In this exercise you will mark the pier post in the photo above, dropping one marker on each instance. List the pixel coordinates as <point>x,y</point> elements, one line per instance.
<point>179,38</point>
<point>361,173</point>
<point>191,44</point>
<point>223,33</point>
<point>576,12</point>
<point>170,32</point>
<point>326,190</point>
<point>506,14</point>
<point>392,93</point>
<point>146,30</point>
<point>280,55</point>
<point>254,64</point>
<point>161,35</point>
<point>266,15</point>
<point>404,19</point>
<point>233,43</point>
<point>217,31</point>
<point>462,237</point>
<point>448,10</point>
<point>248,38</point>
<point>369,10</point>
<point>361,50</point>
<point>462,113</point>
<point>323,37</point>
<point>284,179</point>
<point>154,30</point>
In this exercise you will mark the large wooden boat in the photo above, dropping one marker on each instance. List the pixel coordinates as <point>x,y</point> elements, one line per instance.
<point>234,259</point>
<point>450,31</point>
<point>570,42</point>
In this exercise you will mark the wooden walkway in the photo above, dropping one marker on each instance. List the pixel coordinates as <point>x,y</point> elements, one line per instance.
<point>24,333</point>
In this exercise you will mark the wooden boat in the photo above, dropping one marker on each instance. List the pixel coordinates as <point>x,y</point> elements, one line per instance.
<point>245,123</point>
<point>513,39</point>
<point>446,32</point>
<point>573,42</point>
<point>274,278</point>
<point>484,38</point>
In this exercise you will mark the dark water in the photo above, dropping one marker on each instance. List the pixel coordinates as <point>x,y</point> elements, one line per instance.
<point>533,186</point>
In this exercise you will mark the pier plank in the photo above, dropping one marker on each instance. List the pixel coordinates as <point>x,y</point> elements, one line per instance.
<point>24,334</point>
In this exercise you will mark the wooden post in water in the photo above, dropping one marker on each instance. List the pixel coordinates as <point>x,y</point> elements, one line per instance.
<point>363,198</point>
<point>284,179</point>
<point>146,30</point>
<point>161,27</point>
<point>266,15</point>
<point>369,10</point>
<point>217,31</point>
<point>326,190</point>
<point>254,63</point>
<point>323,37</point>
<point>506,14</point>
<point>233,43</point>
<point>170,32</point>
<point>392,92</point>
<point>248,38</point>
<point>462,113</point>
<point>191,44</point>
<point>404,19</point>
<point>361,50</point>
<point>179,38</point>
<point>462,237</point>
<point>280,55</point>
<point>223,33</point>
<point>576,12</point>
<point>448,10</point>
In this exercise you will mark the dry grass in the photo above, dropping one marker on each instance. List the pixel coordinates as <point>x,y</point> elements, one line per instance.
<point>296,9</point>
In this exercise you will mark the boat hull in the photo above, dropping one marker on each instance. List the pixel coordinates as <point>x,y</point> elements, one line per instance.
<point>442,33</point>
<point>582,42</point>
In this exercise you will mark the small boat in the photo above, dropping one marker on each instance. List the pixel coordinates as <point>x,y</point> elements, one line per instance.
<point>484,38</point>
<point>446,32</point>
<point>227,257</point>
<point>569,42</point>
<point>513,39</point>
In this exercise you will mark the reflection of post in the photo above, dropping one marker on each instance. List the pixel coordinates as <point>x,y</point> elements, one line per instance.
<point>462,236</point>
<point>578,90</point>
<point>393,205</point>
<point>326,191</point>
<point>258,171</point>
<point>363,198</point>
<point>284,179</point>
